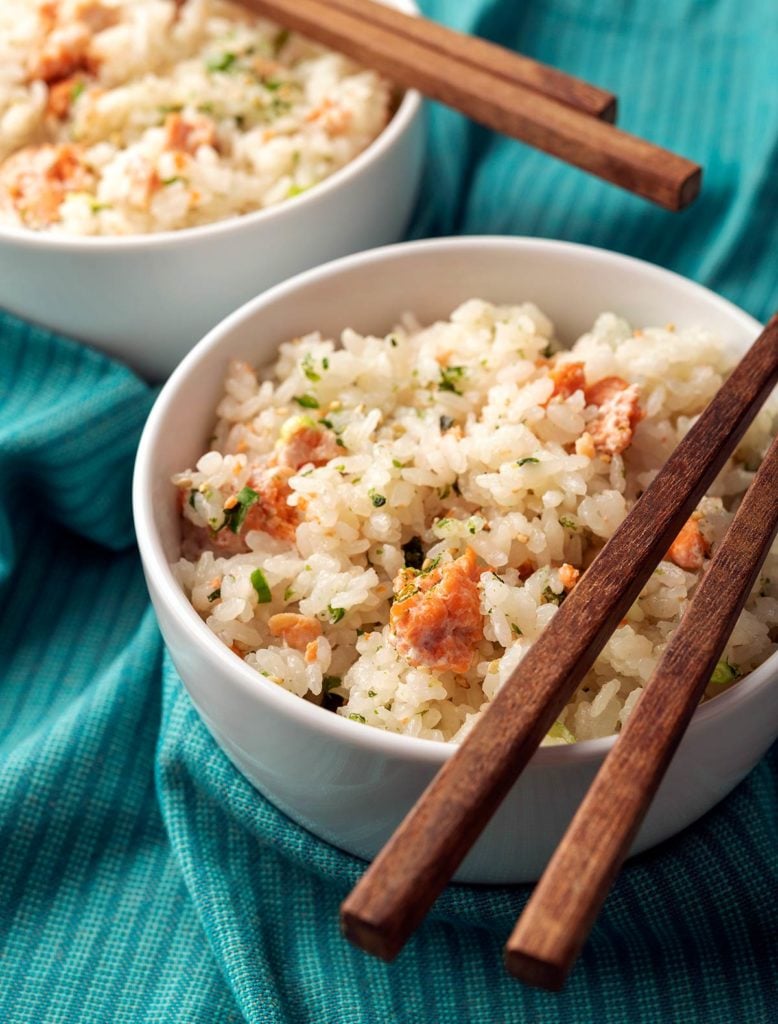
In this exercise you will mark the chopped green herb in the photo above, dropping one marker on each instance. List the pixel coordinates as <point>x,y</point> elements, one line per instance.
<point>279,107</point>
<point>414,553</point>
<point>325,363</point>
<point>443,522</point>
<point>306,401</point>
<point>330,682</point>
<point>392,341</point>
<point>724,674</point>
<point>288,594</point>
<point>272,84</point>
<point>530,459</point>
<point>234,517</point>
<point>341,444</point>
<point>561,732</point>
<point>259,583</point>
<point>223,62</point>
<point>170,108</point>
<point>357,718</point>
<point>548,351</point>
<point>399,465</point>
<point>429,565</point>
<point>550,597</point>
<point>327,423</point>
<point>280,41</point>
<point>172,181</point>
<point>378,500</point>
<point>372,693</point>
<point>336,614</point>
<point>192,499</point>
<point>76,91</point>
<point>446,423</point>
<point>515,629</point>
<point>568,523</point>
<point>215,595</point>
<point>444,492</point>
<point>450,376</point>
<point>307,367</point>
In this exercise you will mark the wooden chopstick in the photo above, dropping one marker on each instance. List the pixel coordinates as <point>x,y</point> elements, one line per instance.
<point>481,54</point>
<point>505,106</point>
<point>401,884</point>
<point>562,909</point>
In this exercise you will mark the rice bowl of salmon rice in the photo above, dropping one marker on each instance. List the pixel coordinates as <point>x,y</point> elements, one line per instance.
<point>384,518</point>
<point>168,142</point>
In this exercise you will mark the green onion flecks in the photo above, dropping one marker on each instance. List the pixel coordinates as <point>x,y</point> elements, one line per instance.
<point>259,583</point>
<point>235,516</point>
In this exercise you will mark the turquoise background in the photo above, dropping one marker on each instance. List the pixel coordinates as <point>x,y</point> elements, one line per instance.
<point>141,878</point>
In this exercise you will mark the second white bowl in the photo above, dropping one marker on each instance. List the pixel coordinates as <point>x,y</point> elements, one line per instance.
<point>146,299</point>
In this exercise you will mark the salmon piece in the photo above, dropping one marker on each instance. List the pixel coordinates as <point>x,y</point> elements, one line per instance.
<point>689,548</point>
<point>36,179</point>
<point>568,378</point>
<point>603,390</point>
<point>304,441</point>
<point>273,513</point>
<point>439,625</point>
<point>188,135</point>
<point>61,95</point>
<point>296,630</point>
<point>65,51</point>
<point>569,575</point>
<point>619,413</point>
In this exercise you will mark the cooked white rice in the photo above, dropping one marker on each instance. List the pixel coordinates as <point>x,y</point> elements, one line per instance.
<point>125,116</point>
<point>451,434</point>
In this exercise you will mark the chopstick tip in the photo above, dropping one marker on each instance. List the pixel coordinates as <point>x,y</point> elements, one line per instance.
<point>367,937</point>
<point>533,970</point>
<point>691,187</point>
<point>609,111</point>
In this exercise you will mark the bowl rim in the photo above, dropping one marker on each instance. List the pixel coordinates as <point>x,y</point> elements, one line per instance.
<point>308,715</point>
<point>408,110</point>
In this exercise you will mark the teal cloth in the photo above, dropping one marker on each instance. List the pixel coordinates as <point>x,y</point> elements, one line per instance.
<point>142,879</point>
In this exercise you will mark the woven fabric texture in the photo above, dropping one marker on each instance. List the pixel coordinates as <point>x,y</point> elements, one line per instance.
<point>141,878</point>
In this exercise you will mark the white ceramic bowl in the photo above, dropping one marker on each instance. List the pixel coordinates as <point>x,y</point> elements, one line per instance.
<point>346,782</point>
<point>146,299</point>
